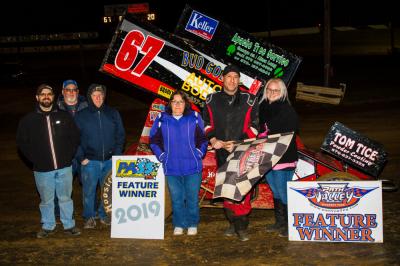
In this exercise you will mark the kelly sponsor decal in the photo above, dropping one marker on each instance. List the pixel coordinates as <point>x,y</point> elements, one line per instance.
<point>201,25</point>
<point>335,211</point>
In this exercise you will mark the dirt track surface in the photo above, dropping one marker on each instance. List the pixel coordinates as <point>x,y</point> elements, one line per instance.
<point>371,108</point>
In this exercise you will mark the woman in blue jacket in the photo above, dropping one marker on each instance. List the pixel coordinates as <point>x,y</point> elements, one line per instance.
<point>177,139</point>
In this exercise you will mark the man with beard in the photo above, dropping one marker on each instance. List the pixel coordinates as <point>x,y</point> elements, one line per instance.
<point>71,101</point>
<point>49,138</point>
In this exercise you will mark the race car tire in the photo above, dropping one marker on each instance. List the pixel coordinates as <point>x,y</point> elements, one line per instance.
<point>338,176</point>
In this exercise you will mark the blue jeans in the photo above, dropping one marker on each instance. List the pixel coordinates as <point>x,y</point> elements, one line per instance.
<point>277,180</point>
<point>184,192</point>
<point>75,172</point>
<point>93,174</point>
<point>49,184</point>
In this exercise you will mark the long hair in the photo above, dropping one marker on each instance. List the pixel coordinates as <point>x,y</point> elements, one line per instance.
<point>185,98</point>
<point>284,92</point>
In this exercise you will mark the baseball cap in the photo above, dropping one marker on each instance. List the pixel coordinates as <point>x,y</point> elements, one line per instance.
<point>69,82</point>
<point>96,87</point>
<point>230,68</point>
<point>42,87</point>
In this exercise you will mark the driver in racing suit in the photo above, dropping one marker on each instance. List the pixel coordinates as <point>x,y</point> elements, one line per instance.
<point>231,115</point>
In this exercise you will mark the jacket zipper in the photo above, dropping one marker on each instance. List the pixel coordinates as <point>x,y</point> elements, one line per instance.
<point>101,131</point>
<point>49,131</point>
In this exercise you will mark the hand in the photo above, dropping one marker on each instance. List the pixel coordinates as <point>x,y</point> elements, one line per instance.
<point>229,145</point>
<point>216,143</point>
<point>85,162</point>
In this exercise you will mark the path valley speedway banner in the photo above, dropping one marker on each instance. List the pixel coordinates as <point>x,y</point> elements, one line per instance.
<point>160,62</point>
<point>254,56</point>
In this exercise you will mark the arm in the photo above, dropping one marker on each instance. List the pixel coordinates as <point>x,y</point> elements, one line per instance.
<point>119,135</point>
<point>251,124</point>
<point>23,140</point>
<point>200,137</point>
<point>156,138</point>
<point>209,126</point>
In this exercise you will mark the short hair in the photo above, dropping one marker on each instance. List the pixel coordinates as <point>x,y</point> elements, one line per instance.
<point>284,92</point>
<point>185,98</point>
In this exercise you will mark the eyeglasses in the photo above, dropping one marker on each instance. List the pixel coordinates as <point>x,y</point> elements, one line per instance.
<point>273,91</point>
<point>177,102</point>
<point>71,90</point>
<point>50,94</point>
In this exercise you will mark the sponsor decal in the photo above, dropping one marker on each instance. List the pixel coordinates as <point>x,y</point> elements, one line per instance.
<point>355,149</point>
<point>166,92</point>
<point>201,25</point>
<point>140,168</point>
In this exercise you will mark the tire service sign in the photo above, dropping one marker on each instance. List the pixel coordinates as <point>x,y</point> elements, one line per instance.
<point>334,211</point>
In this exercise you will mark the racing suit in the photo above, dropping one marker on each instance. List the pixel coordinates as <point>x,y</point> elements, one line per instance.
<point>232,117</point>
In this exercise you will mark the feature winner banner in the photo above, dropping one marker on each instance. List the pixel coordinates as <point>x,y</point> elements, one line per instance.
<point>355,149</point>
<point>334,211</point>
<point>254,56</point>
<point>161,63</point>
<point>137,197</point>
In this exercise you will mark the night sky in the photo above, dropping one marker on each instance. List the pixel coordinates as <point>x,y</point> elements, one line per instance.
<point>251,15</point>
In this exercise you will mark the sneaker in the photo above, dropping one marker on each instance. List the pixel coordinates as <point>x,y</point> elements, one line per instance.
<point>72,231</point>
<point>283,232</point>
<point>243,236</point>
<point>273,228</point>
<point>90,223</point>
<point>230,231</point>
<point>106,221</point>
<point>43,233</point>
<point>192,231</point>
<point>178,231</point>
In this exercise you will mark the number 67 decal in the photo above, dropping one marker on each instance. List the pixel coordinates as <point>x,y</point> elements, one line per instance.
<point>134,43</point>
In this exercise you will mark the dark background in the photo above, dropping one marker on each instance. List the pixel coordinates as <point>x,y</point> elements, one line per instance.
<point>26,17</point>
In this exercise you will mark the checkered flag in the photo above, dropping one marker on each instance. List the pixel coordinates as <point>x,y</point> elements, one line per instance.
<point>248,162</point>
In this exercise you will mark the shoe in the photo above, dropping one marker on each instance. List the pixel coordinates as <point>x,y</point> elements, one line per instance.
<point>72,231</point>
<point>106,221</point>
<point>283,232</point>
<point>230,231</point>
<point>243,236</point>
<point>272,228</point>
<point>178,231</point>
<point>44,233</point>
<point>90,223</point>
<point>192,231</point>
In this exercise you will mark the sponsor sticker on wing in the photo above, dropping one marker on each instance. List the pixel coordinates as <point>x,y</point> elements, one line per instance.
<point>201,25</point>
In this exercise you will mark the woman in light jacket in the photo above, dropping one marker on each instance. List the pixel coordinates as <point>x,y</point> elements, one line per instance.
<point>177,139</point>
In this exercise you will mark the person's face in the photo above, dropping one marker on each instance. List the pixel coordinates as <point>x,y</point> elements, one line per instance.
<point>231,82</point>
<point>97,98</point>
<point>45,98</point>
<point>177,105</point>
<point>70,93</point>
<point>273,92</point>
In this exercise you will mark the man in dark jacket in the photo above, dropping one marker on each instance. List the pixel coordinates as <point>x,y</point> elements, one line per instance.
<point>102,136</point>
<point>49,138</point>
<point>231,115</point>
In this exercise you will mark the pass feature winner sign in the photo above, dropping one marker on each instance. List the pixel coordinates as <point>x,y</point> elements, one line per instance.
<point>334,211</point>
<point>138,197</point>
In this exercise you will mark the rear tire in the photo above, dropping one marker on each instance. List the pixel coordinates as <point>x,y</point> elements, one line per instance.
<point>338,176</point>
